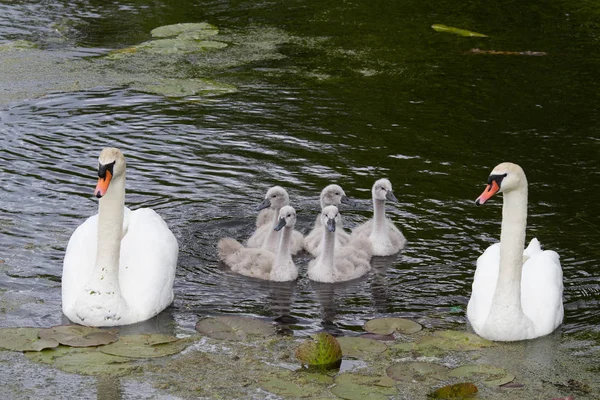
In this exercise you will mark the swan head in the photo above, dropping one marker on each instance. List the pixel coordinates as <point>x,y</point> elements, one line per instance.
<point>334,195</point>
<point>111,164</point>
<point>330,216</point>
<point>287,218</point>
<point>275,198</point>
<point>504,178</point>
<point>382,190</point>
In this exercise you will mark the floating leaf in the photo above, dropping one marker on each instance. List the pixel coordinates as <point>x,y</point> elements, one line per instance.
<point>456,31</point>
<point>456,391</point>
<point>18,45</point>
<point>184,87</point>
<point>417,371</point>
<point>24,339</point>
<point>179,46</point>
<point>460,340</point>
<point>360,347</point>
<point>323,351</point>
<point>145,346</point>
<point>386,326</point>
<point>361,387</point>
<point>83,360</point>
<point>374,336</point>
<point>78,336</point>
<point>234,328</point>
<point>288,389</point>
<point>488,374</point>
<point>178,29</point>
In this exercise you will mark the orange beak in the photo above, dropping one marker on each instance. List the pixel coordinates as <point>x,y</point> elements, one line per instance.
<point>102,185</point>
<point>489,191</point>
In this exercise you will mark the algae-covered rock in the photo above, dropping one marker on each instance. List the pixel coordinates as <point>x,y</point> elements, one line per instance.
<point>78,336</point>
<point>234,328</point>
<point>360,347</point>
<point>456,391</point>
<point>322,351</point>
<point>386,326</point>
<point>24,339</point>
<point>145,346</point>
<point>361,387</point>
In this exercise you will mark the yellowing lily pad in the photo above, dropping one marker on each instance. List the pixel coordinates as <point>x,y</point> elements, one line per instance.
<point>456,391</point>
<point>360,347</point>
<point>487,374</point>
<point>386,326</point>
<point>78,336</point>
<point>83,360</point>
<point>323,351</point>
<point>145,346</point>
<point>24,339</point>
<point>456,31</point>
<point>361,387</point>
<point>417,371</point>
<point>179,29</point>
<point>185,87</point>
<point>234,328</point>
<point>289,389</point>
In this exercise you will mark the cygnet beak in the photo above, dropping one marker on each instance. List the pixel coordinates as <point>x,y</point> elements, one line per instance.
<point>331,225</point>
<point>389,195</point>
<point>266,203</point>
<point>280,224</point>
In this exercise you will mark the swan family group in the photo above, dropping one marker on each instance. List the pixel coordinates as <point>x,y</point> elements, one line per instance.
<point>119,265</point>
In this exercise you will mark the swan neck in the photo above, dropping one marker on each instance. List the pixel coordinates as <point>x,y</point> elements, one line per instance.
<point>283,252</point>
<point>379,223</point>
<point>327,254</point>
<point>272,242</point>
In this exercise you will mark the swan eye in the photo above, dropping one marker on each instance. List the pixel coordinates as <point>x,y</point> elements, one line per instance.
<point>337,193</point>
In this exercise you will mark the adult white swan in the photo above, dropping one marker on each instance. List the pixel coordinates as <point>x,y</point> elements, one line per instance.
<point>516,294</point>
<point>120,264</point>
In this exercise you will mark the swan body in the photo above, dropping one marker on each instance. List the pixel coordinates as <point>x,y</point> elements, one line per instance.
<point>517,294</point>
<point>265,236</point>
<point>339,264</point>
<point>330,195</point>
<point>261,263</point>
<point>385,237</point>
<point>119,265</point>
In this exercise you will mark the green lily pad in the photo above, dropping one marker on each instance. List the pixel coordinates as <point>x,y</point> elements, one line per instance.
<point>361,387</point>
<point>386,326</point>
<point>78,336</point>
<point>360,347</point>
<point>417,371</point>
<point>145,346</point>
<point>288,389</point>
<point>83,360</point>
<point>487,374</point>
<point>179,29</point>
<point>323,351</point>
<point>456,391</point>
<point>24,339</point>
<point>456,31</point>
<point>234,328</point>
<point>184,87</point>
<point>463,341</point>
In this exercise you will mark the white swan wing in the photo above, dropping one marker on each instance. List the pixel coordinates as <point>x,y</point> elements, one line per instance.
<point>148,261</point>
<point>484,286</point>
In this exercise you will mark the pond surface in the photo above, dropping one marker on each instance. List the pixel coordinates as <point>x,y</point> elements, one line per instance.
<point>327,92</point>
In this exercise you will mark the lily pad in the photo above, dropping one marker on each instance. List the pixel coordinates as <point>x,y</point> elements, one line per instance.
<point>386,326</point>
<point>145,346</point>
<point>417,371</point>
<point>178,29</point>
<point>322,351</point>
<point>361,387</point>
<point>24,339</point>
<point>456,391</point>
<point>179,46</point>
<point>234,328</point>
<point>83,360</point>
<point>487,374</point>
<point>456,31</point>
<point>360,347</point>
<point>185,87</point>
<point>460,340</point>
<point>78,336</point>
<point>288,389</point>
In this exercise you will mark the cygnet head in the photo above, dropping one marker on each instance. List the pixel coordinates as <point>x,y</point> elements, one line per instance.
<point>287,218</point>
<point>330,216</point>
<point>382,190</point>
<point>111,164</point>
<point>275,198</point>
<point>504,178</point>
<point>334,195</point>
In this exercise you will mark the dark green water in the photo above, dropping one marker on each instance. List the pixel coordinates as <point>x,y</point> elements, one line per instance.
<point>331,92</point>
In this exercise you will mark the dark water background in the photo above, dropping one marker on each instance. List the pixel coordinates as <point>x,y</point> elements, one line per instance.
<point>365,90</point>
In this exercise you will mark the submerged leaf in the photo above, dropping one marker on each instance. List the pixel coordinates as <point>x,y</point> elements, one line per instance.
<point>417,371</point>
<point>78,336</point>
<point>289,389</point>
<point>456,31</point>
<point>456,391</point>
<point>177,29</point>
<point>488,374</point>
<point>323,350</point>
<point>386,326</point>
<point>145,346</point>
<point>360,347</point>
<point>185,87</point>
<point>179,46</point>
<point>234,328</point>
<point>24,339</point>
<point>361,387</point>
